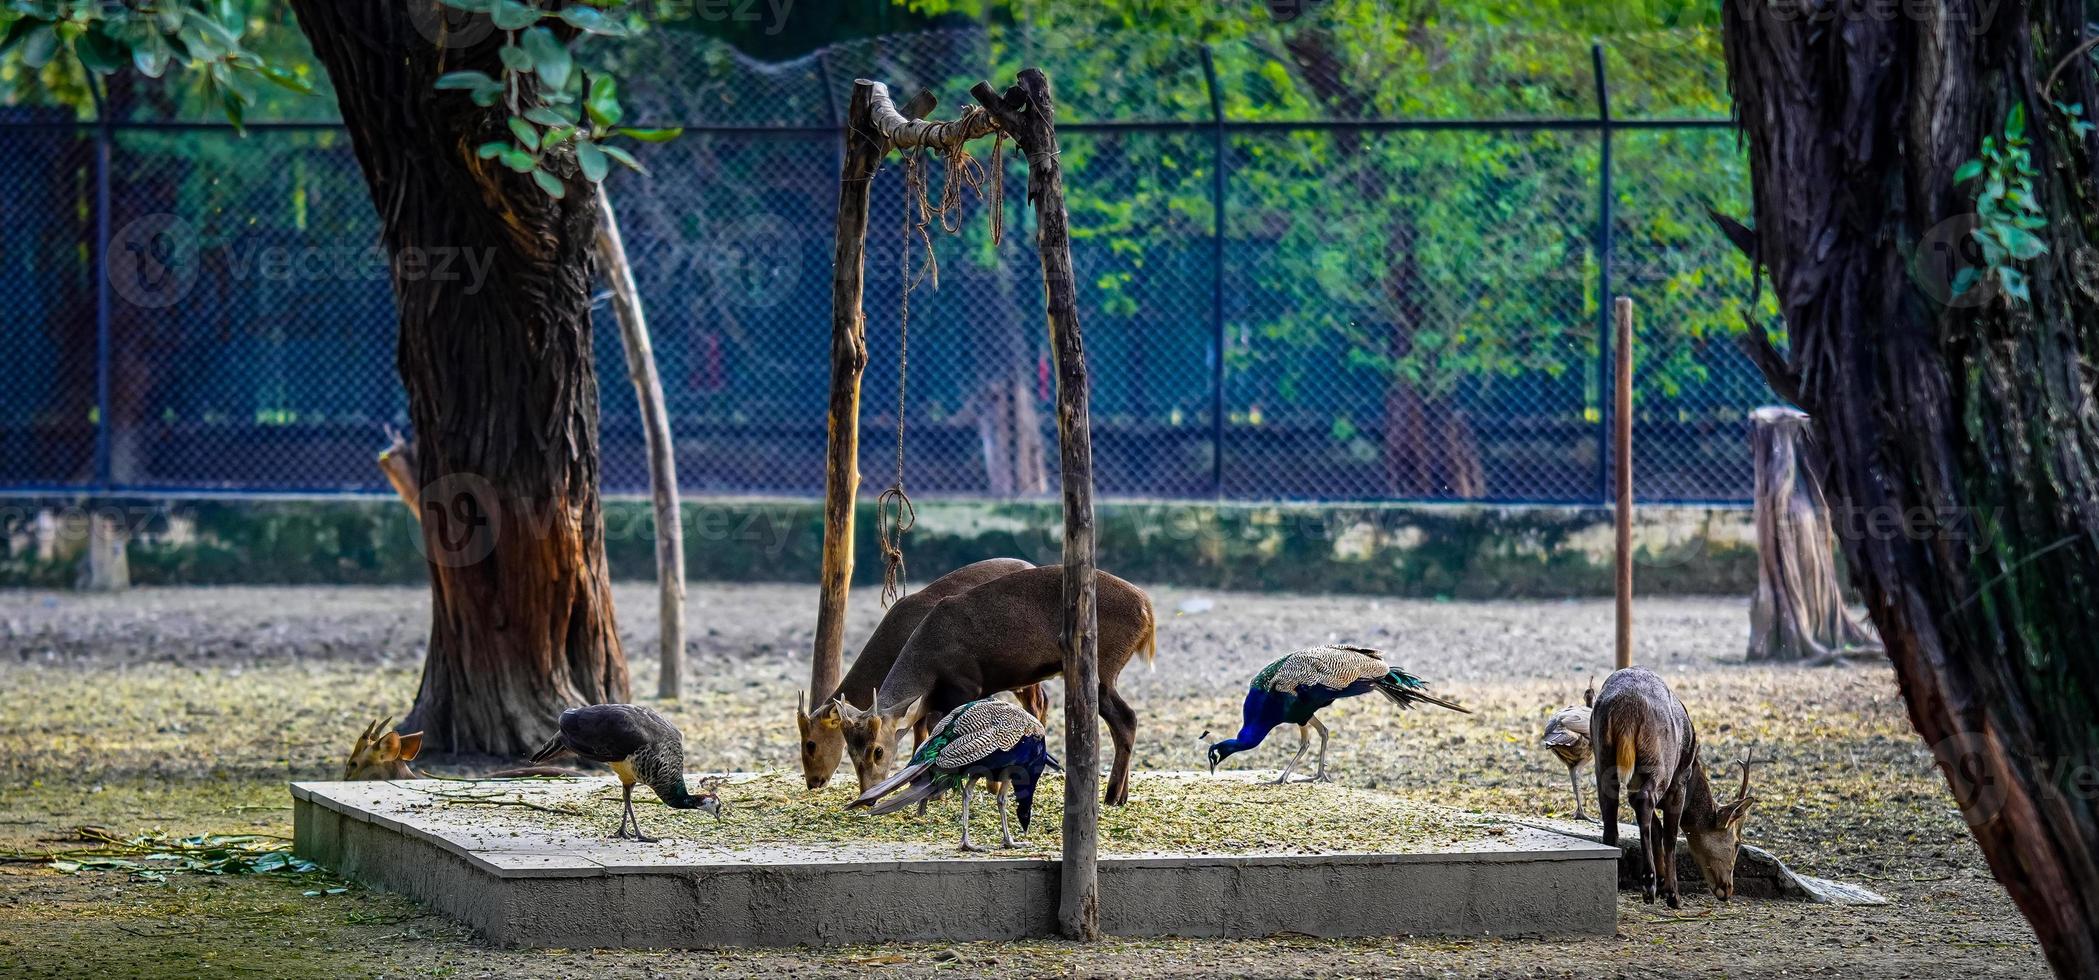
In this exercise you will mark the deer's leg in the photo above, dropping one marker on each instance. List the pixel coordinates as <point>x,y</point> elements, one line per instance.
<point>1122,728</point>
<point>1672,821</point>
<point>1319,775</point>
<point>1607,799</point>
<point>1650,841</point>
<point>1304,743</point>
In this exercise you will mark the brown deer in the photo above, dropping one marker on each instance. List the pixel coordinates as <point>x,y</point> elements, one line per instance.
<point>823,730</point>
<point>1002,636</point>
<point>1645,743</point>
<point>377,756</point>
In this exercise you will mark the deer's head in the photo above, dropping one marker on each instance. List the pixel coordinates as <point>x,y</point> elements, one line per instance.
<point>871,739</point>
<point>381,753</point>
<point>823,739</point>
<point>1717,841</point>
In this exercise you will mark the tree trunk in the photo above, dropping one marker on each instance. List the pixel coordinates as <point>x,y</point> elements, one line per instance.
<point>1798,612</point>
<point>1960,427</point>
<point>500,382</point>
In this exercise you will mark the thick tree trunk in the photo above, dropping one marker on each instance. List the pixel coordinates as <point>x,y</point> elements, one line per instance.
<point>1963,441</point>
<point>500,383</point>
<point>1798,612</point>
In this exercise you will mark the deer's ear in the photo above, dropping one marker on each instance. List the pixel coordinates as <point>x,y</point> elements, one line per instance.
<point>388,748</point>
<point>411,744</point>
<point>1733,814</point>
<point>831,720</point>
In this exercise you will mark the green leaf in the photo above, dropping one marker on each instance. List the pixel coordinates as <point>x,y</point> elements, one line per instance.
<point>491,150</point>
<point>514,58</point>
<point>2015,122</point>
<point>592,20</point>
<point>39,45</point>
<point>527,137</point>
<point>659,135</point>
<point>17,30</point>
<point>626,159</point>
<point>2014,283</point>
<point>101,53</point>
<point>593,161</point>
<point>511,15</point>
<point>546,117</point>
<point>150,53</point>
<point>547,182</point>
<point>1967,171</point>
<point>465,80</point>
<point>286,78</point>
<point>550,58</point>
<point>1965,279</point>
<point>519,160</point>
<point>2022,244</point>
<point>603,102</point>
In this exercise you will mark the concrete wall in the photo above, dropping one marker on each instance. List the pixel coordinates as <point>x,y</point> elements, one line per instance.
<point>1460,551</point>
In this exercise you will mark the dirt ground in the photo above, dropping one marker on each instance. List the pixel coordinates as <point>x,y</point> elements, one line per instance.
<point>186,710</point>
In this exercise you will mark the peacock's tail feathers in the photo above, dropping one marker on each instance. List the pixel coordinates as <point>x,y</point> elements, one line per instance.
<point>1406,690</point>
<point>919,792</point>
<point>896,779</point>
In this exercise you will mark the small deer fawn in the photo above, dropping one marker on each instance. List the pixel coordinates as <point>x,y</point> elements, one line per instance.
<point>1000,636</point>
<point>823,729</point>
<point>1645,743</point>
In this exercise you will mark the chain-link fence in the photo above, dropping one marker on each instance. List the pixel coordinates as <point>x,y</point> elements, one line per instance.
<point>1297,280</point>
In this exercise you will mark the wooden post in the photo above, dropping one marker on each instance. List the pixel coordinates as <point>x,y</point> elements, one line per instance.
<point>663,461</point>
<point>108,566</point>
<point>863,151</point>
<point>1026,112</point>
<point>873,125</point>
<point>1622,446</point>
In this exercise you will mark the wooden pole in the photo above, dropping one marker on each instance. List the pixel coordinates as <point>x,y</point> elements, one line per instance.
<point>1026,112</point>
<point>873,125</point>
<point>1622,446</point>
<point>863,152</point>
<point>663,461</point>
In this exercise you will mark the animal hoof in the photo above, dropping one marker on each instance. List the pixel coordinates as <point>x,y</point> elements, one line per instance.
<point>1675,902</point>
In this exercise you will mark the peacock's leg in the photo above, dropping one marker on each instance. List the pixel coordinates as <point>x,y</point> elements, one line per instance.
<point>626,811</point>
<point>1320,776</point>
<point>1577,781</point>
<point>1005,832</point>
<point>967,785</point>
<point>1304,744</point>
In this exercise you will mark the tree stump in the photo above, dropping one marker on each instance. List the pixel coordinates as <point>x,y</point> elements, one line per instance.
<point>1798,613</point>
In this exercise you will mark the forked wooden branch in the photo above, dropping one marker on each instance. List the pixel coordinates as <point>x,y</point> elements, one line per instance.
<point>908,129</point>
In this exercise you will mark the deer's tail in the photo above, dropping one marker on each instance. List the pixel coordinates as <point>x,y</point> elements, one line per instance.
<point>1151,640</point>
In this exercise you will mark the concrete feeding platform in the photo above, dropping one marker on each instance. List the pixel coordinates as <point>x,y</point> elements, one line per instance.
<point>529,862</point>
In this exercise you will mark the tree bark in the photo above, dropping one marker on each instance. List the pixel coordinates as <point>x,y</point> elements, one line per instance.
<point>663,457</point>
<point>1798,612</point>
<point>1026,112</point>
<point>500,382</point>
<point>1960,427</point>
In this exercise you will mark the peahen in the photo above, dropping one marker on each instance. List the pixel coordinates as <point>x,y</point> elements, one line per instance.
<point>988,739</point>
<point>1293,689</point>
<point>1567,735</point>
<point>640,746</point>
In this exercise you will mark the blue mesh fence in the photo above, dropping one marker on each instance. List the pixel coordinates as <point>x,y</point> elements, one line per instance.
<point>1398,309</point>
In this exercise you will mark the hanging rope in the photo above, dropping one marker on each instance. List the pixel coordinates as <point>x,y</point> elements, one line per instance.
<point>894,512</point>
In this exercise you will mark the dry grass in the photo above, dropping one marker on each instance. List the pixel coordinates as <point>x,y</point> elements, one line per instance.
<point>188,709</point>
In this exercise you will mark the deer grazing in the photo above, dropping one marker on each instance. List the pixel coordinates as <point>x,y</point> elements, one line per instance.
<point>1645,744</point>
<point>1002,636</point>
<point>382,756</point>
<point>823,730</point>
